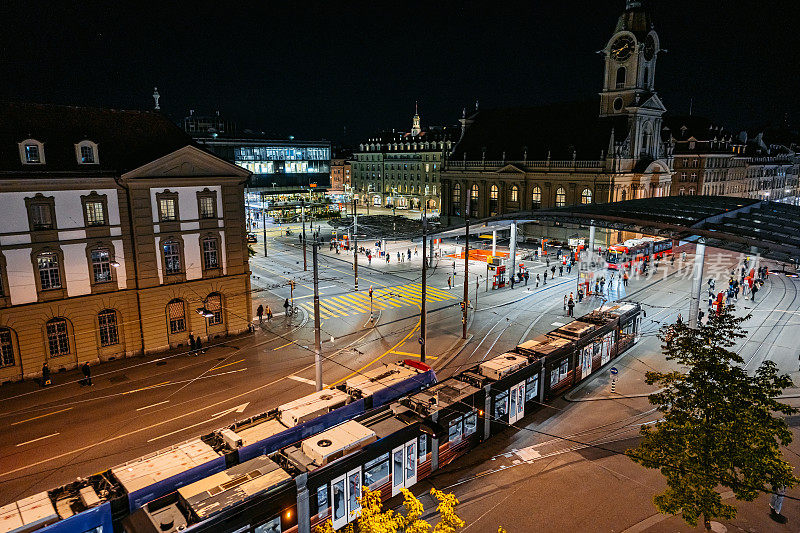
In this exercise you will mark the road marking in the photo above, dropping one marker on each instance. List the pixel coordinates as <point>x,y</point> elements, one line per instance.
<point>153,405</point>
<point>284,346</point>
<point>409,354</point>
<point>35,440</point>
<point>237,409</point>
<point>40,416</point>
<point>229,364</point>
<point>223,373</point>
<point>145,388</point>
<point>305,380</point>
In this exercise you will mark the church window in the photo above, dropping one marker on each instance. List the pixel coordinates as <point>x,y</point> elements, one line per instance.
<point>586,196</point>
<point>621,77</point>
<point>514,196</point>
<point>561,197</point>
<point>536,197</point>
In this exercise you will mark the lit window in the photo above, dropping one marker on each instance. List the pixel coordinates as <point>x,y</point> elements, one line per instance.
<point>6,348</point>
<point>41,216</point>
<point>493,192</point>
<point>561,197</point>
<point>175,314</point>
<point>456,193</point>
<point>210,253</point>
<point>57,337</point>
<point>49,274</point>
<point>586,196</point>
<point>87,155</point>
<point>172,257</point>
<point>207,207</point>
<point>515,193</point>
<point>537,196</point>
<point>167,209</point>
<point>214,305</point>
<point>109,335</point>
<point>101,266</point>
<point>32,154</point>
<point>95,214</point>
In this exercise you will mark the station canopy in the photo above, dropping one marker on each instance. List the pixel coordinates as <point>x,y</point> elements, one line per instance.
<point>744,225</point>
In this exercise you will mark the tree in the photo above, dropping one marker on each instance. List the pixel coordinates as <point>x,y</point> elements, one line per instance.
<point>719,425</point>
<point>374,519</point>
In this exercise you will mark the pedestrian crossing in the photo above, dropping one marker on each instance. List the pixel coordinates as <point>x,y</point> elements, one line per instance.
<point>356,303</point>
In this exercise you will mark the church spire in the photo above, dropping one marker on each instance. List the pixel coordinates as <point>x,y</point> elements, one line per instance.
<point>415,124</point>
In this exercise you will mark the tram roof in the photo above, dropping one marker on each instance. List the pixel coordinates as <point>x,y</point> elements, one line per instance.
<point>742,225</point>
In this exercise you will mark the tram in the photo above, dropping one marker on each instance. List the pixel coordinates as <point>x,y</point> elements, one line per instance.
<point>635,250</point>
<point>306,462</point>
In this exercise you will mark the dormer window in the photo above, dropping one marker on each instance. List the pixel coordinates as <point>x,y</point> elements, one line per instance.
<point>31,152</point>
<point>86,153</point>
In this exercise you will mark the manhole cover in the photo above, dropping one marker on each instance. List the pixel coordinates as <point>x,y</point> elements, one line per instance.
<point>118,379</point>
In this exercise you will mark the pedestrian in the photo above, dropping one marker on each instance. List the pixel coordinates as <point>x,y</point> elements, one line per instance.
<point>369,258</point>
<point>409,254</point>
<point>753,292</point>
<point>570,306</point>
<point>269,312</point>
<point>512,282</point>
<point>569,267</point>
<point>387,259</point>
<point>46,375</point>
<point>192,344</point>
<point>775,505</point>
<point>680,319</point>
<point>286,307</point>
<point>449,283</point>
<point>538,279</point>
<point>526,278</point>
<point>87,373</point>
<point>260,313</point>
<point>596,287</point>
<point>560,270</point>
<point>415,252</point>
<point>580,295</point>
<point>553,271</point>
<point>548,261</point>
<point>625,279</point>
<point>545,278</point>
<point>565,302</point>
<point>398,257</point>
<point>199,346</point>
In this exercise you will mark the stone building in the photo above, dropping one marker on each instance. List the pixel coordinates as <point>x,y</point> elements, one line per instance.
<point>119,237</point>
<point>402,169</point>
<point>340,175</point>
<point>569,153</point>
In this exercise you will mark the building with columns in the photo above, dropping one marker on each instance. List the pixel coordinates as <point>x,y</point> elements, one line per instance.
<point>120,236</point>
<point>569,153</point>
<point>402,169</point>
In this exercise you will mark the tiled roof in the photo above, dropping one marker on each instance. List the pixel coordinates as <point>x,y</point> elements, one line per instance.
<point>125,139</point>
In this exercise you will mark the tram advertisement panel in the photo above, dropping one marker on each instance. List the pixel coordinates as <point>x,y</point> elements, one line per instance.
<point>585,367</point>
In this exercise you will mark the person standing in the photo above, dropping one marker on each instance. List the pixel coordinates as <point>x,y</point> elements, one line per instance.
<point>560,270</point>
<point>87,373</point>
<point>192,344</point>
<point>45,375</point>
<point>538,279</point>
<point>286,307</point>
<point>570,306</point>
<point>753,292</point>
<point>545,278</point>
<point>199,346</point>
<point>449,282</point>
<point>625,279</point>
<point>565,302</point>
<point>260,313</point>
<point>775,505</point>
<point>526,278</point>
<point>553,271</point>
<point>269,312</point>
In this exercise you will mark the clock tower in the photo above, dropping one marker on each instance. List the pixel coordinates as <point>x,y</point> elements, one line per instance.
<point>628,84</point>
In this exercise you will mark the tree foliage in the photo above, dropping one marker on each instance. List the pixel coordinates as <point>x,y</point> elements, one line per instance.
<point>374,519</point>
<point>720,426</point>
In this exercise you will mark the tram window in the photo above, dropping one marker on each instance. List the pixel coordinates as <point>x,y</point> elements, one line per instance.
<point>338,500</point>
<point>554,376</point>
<point>376,472</point>
<point>455,430</point>
<point>422,447</point>
<point>531,388</point>
<point>470,423</point>
<point>273,526</point>
<point>397,470</point>
<point>564,369</point>
<point>501,405</point>
<point>322,500</point>
<point>411,461</point>
<point>354,485</point>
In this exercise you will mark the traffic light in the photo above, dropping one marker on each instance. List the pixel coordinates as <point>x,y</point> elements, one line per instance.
<point>463,307</point>
<point>291,284</point>
<point>370,291</point>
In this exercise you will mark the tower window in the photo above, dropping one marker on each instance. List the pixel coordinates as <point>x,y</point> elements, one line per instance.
<point>646,79</point>
<point>621,72</point>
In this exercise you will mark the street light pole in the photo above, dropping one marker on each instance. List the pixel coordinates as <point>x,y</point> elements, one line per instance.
<point>303,218</point>
<point>355,243</point>
<point>264,220</point>
<point>466,273</point>
<point>317,341</point>
<point>423,325</point>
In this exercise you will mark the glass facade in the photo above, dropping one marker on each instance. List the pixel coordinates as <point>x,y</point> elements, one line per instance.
<point>263,160</point>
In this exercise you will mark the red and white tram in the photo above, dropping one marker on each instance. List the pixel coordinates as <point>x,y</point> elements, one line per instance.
<point>634,250</point>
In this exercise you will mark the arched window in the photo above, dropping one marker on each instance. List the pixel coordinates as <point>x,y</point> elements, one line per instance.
<point>7,348</point>
<point>624,194</point>
<point>561,197</point>
<point>493,192</point>
<point>621,77</point>
<point>514,195</point>
<point>586,196</point>
<point>536,197</point>
<point>107,320</point>
<point>456,193</point>
<point>58,337</point>
<point>646,77</point>
<point>214,306</point>
<point>473,203</point>
<point>475,192</point>
<point>176,316</point>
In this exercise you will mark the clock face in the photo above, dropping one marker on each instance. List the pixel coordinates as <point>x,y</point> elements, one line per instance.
<point>649,48</point>
<point>623,48</point>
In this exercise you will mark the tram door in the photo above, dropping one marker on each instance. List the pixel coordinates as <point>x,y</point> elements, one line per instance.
<point>345,492</point>
<point>404,466</point>
<point>586,361</point>
<point>516,402</point>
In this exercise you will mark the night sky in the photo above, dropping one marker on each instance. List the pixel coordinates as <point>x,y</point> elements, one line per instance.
<point>312,69</point>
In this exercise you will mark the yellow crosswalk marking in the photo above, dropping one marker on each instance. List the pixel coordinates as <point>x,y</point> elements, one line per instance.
<point>356,303</point>
<point>333,304</point>
<point>353,302</point>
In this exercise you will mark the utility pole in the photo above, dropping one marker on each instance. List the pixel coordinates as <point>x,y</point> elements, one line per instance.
<point>423,326</point>
<point>303,218</point>
<point>317,342</point>
<point>466,272</point>
<point>355,243</point>
<point>264,220</point>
